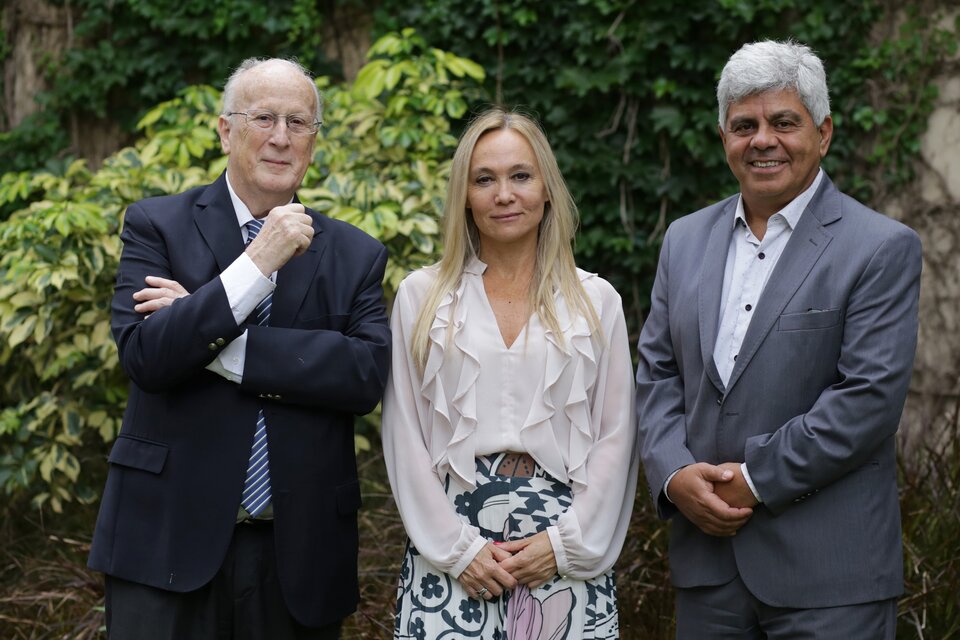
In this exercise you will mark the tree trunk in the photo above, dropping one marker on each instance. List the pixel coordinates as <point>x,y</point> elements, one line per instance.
<point>37,33</point>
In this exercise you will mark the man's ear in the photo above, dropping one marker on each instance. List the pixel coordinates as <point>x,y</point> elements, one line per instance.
<point>826,135</point>
<point>223,128</point>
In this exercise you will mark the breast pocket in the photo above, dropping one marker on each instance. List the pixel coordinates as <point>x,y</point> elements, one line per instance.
<point>809,320</point>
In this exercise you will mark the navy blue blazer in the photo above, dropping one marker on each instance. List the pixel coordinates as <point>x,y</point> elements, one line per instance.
<point>177,468</point>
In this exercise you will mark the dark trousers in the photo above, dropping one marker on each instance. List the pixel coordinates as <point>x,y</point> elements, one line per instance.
<point>731,612</point>
<point>242,602</point>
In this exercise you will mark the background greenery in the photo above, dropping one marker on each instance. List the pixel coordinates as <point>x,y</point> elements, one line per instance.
<point>625,92</point>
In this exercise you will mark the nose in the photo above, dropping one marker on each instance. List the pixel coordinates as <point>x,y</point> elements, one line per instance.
<point>504,193</point>
<point>280,135</point>
<point>765,137</point>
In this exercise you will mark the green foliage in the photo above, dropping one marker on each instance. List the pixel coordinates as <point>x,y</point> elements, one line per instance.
<point>381,166</point>
<point>32,144</point>
<point>626,93</point>
<point>59,363</point>
<point>127,55</point>
<point>891,94</point>
<point>383,158</point>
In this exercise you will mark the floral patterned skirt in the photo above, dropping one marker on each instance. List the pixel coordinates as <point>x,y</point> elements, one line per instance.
<point>431,605</point>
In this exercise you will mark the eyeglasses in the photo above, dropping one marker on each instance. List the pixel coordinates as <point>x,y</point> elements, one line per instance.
<point>297,124</point>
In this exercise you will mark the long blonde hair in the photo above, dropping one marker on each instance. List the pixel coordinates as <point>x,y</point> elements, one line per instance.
<point>555,269</point>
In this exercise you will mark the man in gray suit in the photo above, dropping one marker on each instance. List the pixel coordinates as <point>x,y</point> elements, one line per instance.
<point>773,368</point>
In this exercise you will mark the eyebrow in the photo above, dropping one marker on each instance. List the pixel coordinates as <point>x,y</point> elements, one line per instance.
<point>788,114</point>
<point>524,166</point>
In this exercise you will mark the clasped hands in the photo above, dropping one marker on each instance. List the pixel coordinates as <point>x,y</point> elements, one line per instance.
<point>503,565</point>
<point>716,498</point>
<point>287,232</point>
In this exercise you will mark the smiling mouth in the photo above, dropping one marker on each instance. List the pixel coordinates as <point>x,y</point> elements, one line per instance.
<point>766,164</point>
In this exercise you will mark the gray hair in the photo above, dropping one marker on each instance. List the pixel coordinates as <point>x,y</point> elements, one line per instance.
<point>774,66</point>
<point>230,89</point>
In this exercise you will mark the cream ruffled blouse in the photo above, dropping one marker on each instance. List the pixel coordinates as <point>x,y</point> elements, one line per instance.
<point>569,404</point>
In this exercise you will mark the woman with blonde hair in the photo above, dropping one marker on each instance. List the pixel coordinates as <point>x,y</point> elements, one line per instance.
<point>508,422</point>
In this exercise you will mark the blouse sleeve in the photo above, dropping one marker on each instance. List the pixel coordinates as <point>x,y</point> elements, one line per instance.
<point>588,537</point>
<point>441,537</point>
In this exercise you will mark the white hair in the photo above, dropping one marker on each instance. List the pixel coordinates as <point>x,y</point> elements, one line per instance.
<point>759,67</point>
<point>230,89</point>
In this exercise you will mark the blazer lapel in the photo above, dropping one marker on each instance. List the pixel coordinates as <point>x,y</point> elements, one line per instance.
<point>711,288</point>
<point>217,222</point>
<point>295,278</point>
<point>807,243</point>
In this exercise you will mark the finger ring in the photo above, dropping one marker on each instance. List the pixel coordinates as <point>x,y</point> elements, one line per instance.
<point>481,591</point>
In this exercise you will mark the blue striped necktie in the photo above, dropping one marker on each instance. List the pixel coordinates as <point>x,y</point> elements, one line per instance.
<point>256,488</point>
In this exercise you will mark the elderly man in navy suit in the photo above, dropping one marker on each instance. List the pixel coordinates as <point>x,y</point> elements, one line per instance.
<point>773,369</point>
<point>253,330</point>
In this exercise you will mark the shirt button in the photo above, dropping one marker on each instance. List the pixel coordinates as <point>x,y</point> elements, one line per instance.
<point>735,357</point>
<point>748,307</point>
<point>761,255</point>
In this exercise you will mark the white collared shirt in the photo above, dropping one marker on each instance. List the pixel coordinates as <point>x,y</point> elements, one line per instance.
<point>750,261</point>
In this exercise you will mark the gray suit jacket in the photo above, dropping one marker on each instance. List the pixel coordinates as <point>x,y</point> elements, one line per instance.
<point>812,405</point>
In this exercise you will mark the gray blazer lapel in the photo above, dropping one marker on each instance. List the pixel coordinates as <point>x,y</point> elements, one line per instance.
<point>807,243</point>
<point>711,288</point>
<point>295,278</point>
<point>217,222</point>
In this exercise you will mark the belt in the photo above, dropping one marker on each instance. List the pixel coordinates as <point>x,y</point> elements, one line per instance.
<point>516,465</point>
<point>265,517</point>
<point>256,522</point>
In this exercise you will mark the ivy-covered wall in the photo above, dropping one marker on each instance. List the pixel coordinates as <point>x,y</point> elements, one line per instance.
<point>626,93</point>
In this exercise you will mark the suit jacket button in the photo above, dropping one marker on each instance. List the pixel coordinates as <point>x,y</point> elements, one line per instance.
<point>720,401</point>
<point>220,342</point>
<point>212,346</point>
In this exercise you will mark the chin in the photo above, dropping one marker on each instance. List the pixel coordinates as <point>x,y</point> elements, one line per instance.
<point>278,186</point>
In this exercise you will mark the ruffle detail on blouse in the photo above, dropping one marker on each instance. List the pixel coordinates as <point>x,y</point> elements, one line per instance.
<point>450,448</point>
<point>577,351</point>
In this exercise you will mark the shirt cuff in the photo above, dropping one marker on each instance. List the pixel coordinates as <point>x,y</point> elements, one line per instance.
<point>559,555</point>
<point>468,556</point>
<point>245,287</point>
<point>667,482</point>
<point>229,362</point>
<point>746,476</point>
